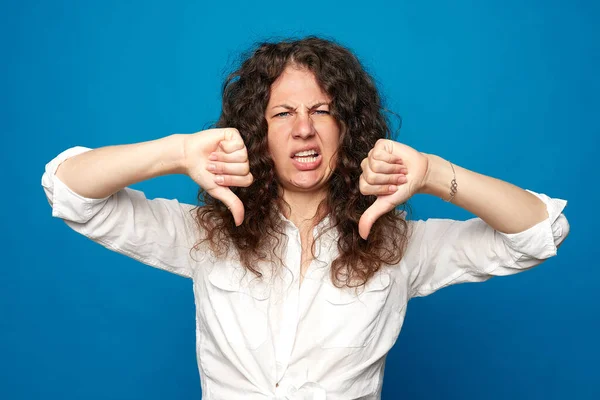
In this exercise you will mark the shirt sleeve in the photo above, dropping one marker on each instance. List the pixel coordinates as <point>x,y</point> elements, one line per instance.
<point>443,252</point>
<point>159,232</point>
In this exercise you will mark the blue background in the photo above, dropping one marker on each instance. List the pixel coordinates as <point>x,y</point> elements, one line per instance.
<point>507,88</point>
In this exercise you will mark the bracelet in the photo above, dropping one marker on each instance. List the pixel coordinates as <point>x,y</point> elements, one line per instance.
<point>453,186</point>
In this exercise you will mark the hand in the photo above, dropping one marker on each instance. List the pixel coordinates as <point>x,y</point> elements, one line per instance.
<point>393,172</point>
<point>216,159</point>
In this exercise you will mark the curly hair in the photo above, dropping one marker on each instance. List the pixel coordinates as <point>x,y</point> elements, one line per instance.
<point>356,106</point>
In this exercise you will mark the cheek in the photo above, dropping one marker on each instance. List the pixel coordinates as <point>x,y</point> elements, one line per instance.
<point>330,132</point>
<point>276,152</point>
<point>271,143</point>
<point>333,142</point>
<point>274,135</point>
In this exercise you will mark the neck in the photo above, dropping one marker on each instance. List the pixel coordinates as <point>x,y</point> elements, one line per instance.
<point>303,207</point>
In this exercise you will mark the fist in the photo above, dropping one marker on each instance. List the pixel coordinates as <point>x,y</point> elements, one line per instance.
<point>217,159</point>
<point>393,172</point>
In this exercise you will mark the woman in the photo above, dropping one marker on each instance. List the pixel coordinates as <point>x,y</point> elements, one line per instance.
<point>302,268</point>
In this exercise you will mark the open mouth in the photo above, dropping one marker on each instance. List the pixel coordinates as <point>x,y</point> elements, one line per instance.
<point>306,156</point>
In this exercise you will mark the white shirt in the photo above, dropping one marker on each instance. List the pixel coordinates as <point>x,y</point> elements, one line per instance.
<point>274,338</point>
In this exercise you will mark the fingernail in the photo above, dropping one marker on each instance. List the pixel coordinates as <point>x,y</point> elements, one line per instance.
<point>393,188</point>
<point>219,179</point>
<point>213,157</point>
<point>401,179</point>
<point>211,167</point>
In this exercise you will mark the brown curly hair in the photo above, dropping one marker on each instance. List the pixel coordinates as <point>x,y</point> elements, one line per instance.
<point>356,106</point>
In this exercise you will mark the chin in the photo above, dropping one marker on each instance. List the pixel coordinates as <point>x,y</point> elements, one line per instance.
<point>308,181</point>
<point>312,185</point>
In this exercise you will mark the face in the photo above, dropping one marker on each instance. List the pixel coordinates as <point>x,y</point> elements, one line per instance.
<point>303,137</point>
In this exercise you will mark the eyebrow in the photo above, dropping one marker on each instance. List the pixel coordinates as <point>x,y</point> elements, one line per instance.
<point>288,107</point>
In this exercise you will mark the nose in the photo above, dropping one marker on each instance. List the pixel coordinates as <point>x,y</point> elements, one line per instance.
<point>303,126</point>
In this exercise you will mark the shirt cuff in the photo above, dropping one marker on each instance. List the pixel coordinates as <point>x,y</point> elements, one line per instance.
<point>66,204</point>
<point>540,241</point>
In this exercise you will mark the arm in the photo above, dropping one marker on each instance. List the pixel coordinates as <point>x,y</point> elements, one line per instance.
<point>504,206</point>
<point>443,252</point>
<point>394,172</point>
<point>101,172</point>
<point>516,229</point>
<point>86,189</point>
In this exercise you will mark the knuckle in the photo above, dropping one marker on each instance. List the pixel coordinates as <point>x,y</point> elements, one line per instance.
<point>379,154</point>
<point>362,186</point>
<point>364,163</point>
<point>365,188</point>
<point>375,165</point>
<point>226,146</point>
<point>237,146</point>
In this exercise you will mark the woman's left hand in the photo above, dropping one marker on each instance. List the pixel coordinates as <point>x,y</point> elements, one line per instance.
<point>393,172</point>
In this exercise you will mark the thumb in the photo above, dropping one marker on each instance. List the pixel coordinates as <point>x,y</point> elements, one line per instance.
<point>233,203</point>
<point>371,214</point>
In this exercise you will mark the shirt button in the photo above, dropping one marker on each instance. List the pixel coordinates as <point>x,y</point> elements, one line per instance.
<point>277,385</point>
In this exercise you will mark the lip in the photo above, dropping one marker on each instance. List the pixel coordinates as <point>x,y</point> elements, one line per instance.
<point>309,165</point>
<point>315,148</point>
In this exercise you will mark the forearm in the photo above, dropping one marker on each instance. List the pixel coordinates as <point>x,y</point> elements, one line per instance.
<point>504,206</point>
<point>101,172</point>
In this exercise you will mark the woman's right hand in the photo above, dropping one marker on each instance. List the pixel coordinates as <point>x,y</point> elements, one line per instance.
<point>217,159</point>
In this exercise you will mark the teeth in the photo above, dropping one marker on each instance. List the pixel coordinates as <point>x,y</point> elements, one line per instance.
<point>306,153</point>
<point>306,159</point>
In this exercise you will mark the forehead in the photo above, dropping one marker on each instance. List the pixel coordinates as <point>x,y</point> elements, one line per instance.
<point>297,85</point>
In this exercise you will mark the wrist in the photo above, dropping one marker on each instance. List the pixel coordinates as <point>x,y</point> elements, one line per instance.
<point>438,178</point>
<point>172,155</point>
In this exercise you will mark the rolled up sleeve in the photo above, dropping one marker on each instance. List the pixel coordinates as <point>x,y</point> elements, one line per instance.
<point>158,232</point>
<point>444,252</point>
<point>65,203</point>
<point>542,240</point>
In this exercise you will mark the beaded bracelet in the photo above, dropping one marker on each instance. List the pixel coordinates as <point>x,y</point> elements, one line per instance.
<point>453,186</point>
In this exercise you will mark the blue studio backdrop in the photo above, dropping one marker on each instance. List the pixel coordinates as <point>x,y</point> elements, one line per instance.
<point>508,88</point>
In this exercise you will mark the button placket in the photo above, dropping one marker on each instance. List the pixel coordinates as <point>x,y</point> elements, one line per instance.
<point>289,322</point>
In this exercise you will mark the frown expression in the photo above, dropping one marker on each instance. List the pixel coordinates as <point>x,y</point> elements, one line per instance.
<point>303,137</point>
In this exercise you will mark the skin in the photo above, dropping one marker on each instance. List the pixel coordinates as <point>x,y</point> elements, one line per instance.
<point>502,205</point>
<point>217,159</point>
<point>298,119</point>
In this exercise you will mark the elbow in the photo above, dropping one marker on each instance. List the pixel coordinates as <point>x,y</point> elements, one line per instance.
<point>560,230</point>
<point>48,187</point>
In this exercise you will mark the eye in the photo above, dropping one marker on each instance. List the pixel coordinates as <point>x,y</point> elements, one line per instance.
<point>282,114</point>
<point>322,112</point>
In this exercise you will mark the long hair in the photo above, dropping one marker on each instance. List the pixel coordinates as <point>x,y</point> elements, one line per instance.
<point>356,106</point>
